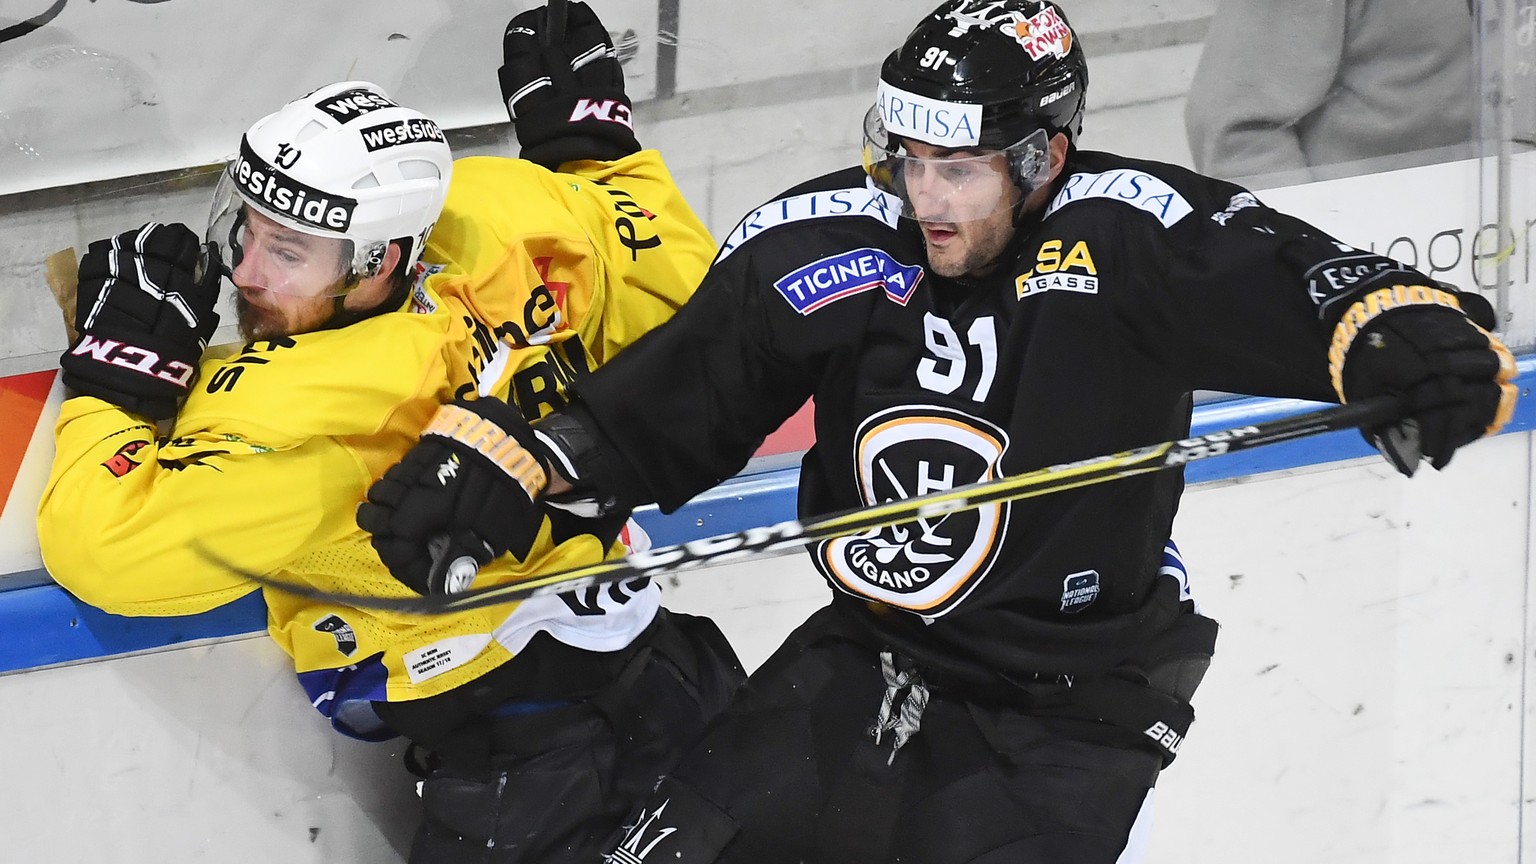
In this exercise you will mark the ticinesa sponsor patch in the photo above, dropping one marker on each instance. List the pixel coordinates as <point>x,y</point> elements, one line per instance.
<point>122,461</point>
<point>845,274</point>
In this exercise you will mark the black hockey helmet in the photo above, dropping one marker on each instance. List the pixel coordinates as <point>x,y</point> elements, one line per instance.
<point>984,75</point>
<point>1020,60</point>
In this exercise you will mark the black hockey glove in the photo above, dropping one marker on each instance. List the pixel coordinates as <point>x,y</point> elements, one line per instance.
<point>566,98</point>
<point>469,489</point>
<point>1452,374</point>
<point>144,314</point>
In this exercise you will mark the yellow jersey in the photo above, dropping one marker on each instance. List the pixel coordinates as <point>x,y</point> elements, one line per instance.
<point>529,278</point>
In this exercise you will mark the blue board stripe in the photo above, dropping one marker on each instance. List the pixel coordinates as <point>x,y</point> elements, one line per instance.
<point>42,625</point>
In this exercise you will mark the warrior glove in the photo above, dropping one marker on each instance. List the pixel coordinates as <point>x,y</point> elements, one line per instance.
<point>1417,343</point>
<point>144,314</point>
<point>471,488</point>
<point>565,92</point>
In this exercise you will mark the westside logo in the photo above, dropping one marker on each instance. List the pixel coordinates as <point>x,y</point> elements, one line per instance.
<point>351,104</point>
<point>404,132</point>
<point>283,194</point>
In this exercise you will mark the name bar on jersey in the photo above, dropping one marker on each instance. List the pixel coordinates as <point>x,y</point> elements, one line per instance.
<point>845,274</point>
<point>857,201</point>
<point>1136,188</point>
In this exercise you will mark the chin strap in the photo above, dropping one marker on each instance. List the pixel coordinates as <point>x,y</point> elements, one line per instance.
<point>341,316</point>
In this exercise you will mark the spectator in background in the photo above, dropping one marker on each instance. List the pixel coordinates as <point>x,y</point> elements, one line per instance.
<point>1284,89</point>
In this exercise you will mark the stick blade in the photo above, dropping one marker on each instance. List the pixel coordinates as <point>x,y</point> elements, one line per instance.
<point>62,270</point>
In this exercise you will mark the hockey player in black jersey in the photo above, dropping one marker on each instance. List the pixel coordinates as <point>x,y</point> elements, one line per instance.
<point>980,298</point>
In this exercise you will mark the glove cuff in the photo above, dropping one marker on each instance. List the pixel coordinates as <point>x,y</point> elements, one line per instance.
<point>559,130</point>
<point>575,148</point>
<point>148,407</point>
<point>514,450</point>
<point>1368,308</point>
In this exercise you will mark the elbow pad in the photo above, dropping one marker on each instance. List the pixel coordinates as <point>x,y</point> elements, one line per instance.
<point>583,460</point>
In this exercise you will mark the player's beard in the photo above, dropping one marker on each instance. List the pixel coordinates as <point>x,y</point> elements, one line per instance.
<point>974,249</point>
<point>269,322</point>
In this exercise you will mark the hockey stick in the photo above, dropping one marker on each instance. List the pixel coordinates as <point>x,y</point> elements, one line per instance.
<point>753,542</point>
<point>554,23</point>
<point>438,547</point>
<point>62,272</point>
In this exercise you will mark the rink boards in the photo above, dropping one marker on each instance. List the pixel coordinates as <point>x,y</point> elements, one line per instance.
<point>1367,702</point>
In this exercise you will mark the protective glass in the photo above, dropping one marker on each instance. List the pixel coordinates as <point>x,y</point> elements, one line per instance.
<point>271,252</point>
<point>959,188</point>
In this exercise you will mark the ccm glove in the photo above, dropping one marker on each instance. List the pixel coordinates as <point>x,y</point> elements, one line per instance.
<point>565,92</point>
<point>1417,343</point>
<point>144,314</point>
<point>470,489</point>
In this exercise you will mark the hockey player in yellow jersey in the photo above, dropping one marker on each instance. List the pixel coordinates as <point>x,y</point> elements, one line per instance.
<point>374,290</point>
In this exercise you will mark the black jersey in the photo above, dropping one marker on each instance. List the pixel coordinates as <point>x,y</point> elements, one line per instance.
<point>1140,283</point>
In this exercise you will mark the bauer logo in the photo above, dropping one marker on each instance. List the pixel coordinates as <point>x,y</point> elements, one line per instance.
<point>278,193</point>
<point>1136,188</point>
<point>403,132</point>
<point>944,124</point>
<point>1058,95</point>
<point>846,274</point>
<point>1166,737</point>
<point>1079,590</point>
<point>351,104</point>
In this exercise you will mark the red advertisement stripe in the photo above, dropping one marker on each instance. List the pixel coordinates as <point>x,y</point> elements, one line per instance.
<point>21,404</point>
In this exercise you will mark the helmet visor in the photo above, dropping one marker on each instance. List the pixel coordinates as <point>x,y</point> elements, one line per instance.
<point>955,186</point>
<point>263,249</point>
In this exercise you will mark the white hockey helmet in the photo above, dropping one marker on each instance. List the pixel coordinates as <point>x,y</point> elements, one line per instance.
<point>345,161</point>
